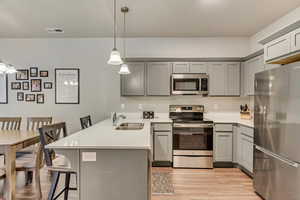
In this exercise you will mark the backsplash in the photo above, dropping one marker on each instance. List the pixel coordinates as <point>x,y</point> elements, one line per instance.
<point>161,104</point>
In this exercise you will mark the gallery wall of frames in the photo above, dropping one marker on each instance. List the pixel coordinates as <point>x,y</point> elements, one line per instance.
<point>30,85</point>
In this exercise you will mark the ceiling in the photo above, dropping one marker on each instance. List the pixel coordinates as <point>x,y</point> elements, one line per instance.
<point>147,18</point>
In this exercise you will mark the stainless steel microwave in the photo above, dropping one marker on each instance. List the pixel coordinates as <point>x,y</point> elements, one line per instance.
<point>189,84</point>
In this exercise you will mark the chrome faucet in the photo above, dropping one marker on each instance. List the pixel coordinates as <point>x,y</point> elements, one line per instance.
<point>116,118</point>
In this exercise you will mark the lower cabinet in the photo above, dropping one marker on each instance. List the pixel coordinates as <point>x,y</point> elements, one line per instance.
<point>247,153</point>
<point>223,147</point>
<point>245,142</point>
<point>162,142</point>
<point>223,143</point>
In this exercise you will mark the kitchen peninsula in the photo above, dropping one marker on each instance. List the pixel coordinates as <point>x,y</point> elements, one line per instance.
<point>110,164</point>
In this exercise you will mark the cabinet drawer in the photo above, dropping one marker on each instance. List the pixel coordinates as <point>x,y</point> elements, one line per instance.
<point>223,127</point>
<point>192,162</point>
<point>247,131</point>
<point>162,127</point>
<point>278,47</point>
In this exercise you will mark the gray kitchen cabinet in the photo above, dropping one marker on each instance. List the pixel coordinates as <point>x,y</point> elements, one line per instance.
<point>198,67</point>
<point>223,142</point>
<point>181,67</point>
<point>223,147</point>
<point>217,79</point>
<point>233,79</point>
<point>251,67</point>
<point>163,146</point>
<point>190,67</point>
<point>278,47</point>
<point>245,140</point>
<point>158,78</point>
<point>235,144</point>
<point>133,84</point>
<point>295,40</point>
<point>247,152</point>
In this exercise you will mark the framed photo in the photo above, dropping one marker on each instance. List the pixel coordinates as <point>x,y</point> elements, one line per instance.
<point>40,98</point>
<point>44,74</point>
<point>15,85</point>
<point>20,96</point>
<point>34,72</point>
<point>30,97</point>
<point>22,74</point>
<point>3,89</point>
<point>48,85</point>
<point>67,86</point>
<point>36,85</point>
<point>25,85</point>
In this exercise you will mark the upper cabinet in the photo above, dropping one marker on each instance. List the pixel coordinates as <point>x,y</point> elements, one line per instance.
<point>295,38</point>
<point>217,79</point>
<point>158,78</point>
<point>250,68</point>
<point>133,84</point>
<point>279,47</point>
<point>224,79</point>
<point>283,46</point>
<point>189,67</point>
<point>181,67</point>
<point>198,67</point>
<point>233,79</point>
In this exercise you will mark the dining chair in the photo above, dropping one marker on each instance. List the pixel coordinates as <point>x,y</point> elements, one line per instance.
<point>27,164</point>
<point>86,122</point>
<point>33,123</point>
<point>56,164</point>
<point>10,123</point>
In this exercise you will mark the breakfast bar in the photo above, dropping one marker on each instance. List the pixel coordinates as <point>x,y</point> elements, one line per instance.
<point>110,163</point>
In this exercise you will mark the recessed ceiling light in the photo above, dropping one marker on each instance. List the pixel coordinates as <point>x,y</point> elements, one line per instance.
<point>54,30</point>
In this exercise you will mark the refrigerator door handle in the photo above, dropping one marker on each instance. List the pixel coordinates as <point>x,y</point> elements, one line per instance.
<point>284,160</point>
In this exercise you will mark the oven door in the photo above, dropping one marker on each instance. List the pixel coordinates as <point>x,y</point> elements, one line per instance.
<point>185,85</point>
<point>192,137</point>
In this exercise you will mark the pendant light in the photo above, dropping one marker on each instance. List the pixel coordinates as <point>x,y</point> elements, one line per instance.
<point>124,67</point>
<point>7,68</point>
<point>115,58</point>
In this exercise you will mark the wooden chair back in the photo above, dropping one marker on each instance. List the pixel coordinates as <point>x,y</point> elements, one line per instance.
<point>50,134</point>
<point>34,123</point>
<point>85,122</point>
<point>10,123</point>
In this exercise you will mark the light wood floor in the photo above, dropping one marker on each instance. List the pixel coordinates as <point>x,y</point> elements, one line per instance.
<point>189,184</point>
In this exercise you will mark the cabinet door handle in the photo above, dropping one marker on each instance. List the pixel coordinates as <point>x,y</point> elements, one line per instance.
<point>224,135</point>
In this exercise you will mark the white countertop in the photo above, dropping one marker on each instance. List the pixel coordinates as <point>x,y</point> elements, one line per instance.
<point>103,135</point>
<point>229,118</point>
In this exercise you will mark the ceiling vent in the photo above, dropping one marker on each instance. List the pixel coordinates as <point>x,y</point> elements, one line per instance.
<point>54,30</point>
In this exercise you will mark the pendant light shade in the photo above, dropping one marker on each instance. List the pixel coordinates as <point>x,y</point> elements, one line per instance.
<point>3,68</point>
<point>124,69</point>
<point>7,68</point>
<point>115,58</point>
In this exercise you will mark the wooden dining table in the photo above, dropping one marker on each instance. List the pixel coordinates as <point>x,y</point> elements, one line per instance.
<point>12,141</point>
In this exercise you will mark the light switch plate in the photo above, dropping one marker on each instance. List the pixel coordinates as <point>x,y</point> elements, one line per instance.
<point>89,156</point>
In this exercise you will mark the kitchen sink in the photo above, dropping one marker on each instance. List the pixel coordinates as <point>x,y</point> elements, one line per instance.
<point>130,126</point>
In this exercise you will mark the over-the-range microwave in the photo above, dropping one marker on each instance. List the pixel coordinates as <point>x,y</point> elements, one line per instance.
<point>189,84</point>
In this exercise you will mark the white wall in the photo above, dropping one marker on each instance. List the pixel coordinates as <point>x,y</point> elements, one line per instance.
<point>279,24</point>
<point>100,86</point>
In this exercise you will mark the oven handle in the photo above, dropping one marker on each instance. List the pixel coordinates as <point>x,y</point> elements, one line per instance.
<point>188,125</point>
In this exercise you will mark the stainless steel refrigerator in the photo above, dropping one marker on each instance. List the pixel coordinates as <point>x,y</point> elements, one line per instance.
<point>277,133</point>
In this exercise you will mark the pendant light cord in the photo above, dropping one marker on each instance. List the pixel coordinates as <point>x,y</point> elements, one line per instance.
<point>124,35</point>
<point>115,24</point>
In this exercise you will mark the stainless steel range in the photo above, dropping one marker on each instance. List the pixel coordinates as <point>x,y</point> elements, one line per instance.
<point>192,137</point>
